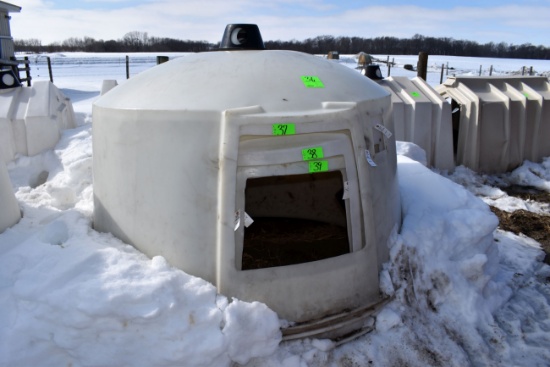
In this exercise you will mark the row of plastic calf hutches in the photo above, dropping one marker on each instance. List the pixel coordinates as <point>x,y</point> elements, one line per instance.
<point>423,117</point>
<point>499,122</point>
<point>488,124</point>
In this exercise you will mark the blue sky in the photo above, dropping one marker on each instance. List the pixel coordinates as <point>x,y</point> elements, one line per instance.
<point>514,22</point>
<point>346,4</point>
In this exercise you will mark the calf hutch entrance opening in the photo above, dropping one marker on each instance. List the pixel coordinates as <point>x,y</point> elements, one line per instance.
<point>282,235</point>
<point>295,191</point>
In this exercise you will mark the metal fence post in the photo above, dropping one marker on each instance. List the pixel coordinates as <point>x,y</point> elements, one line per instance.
<point>50,68</point>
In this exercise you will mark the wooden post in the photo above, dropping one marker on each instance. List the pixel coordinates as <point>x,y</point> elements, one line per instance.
<point>441,78</point>
<point>480,68</point>
<point>127,67</point>
<point>523,70</point>
<point>531,71</point>
<point>447,68</point>
<point>491,70</point>
<point>50,68</point>
<point>28,71</point>
<point>422,66</point>
<point>389,69</point>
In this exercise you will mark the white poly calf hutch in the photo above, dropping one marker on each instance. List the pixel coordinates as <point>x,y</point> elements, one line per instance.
<point>421,116</point>
<point>32,118</point>
<point>271,174</point>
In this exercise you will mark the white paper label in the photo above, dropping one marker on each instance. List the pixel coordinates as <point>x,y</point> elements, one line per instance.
<point>384,131</point>
<point>369,158</point>
<point>247,220</point>
<point>346,191</point>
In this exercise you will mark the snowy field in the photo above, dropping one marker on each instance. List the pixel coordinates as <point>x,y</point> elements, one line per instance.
<point>464,293</point>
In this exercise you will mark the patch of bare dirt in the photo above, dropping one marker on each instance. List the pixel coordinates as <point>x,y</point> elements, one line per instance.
<point>536,226</point>
<point>527,193</point>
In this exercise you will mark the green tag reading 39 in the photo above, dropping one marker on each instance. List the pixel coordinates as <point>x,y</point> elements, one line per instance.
<point>312,82</point>
<point>309,154</point>
<point>318,166</point>
<point>284,129</point>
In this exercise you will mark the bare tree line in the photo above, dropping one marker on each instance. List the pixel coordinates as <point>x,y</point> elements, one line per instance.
<point>412,46</point>
<point>140,42</point>
<point>131,42</point>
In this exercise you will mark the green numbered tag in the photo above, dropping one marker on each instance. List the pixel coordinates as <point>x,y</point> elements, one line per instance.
<point>415,94</point>
<point>526,94</point>
<point>312,82</point>
<point>309,154</point>
<point>284,129</point>
<point>318,166</point>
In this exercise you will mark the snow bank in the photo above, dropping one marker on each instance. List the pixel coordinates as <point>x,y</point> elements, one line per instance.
<point>528,175</point>
<point>73,296</point>
<point>459,297</point>
<point>412,151</point>
<point>533,174</point>
<point>464,257</point>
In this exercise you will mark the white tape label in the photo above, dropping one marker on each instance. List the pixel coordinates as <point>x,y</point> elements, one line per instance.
<point>346,191</point>
<point>369,158</point>
<point>247,220</point>
<point>384,131</point>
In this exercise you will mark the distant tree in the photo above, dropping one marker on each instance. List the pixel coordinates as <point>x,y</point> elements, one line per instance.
<point>135,41</point>
<point>72,44</point>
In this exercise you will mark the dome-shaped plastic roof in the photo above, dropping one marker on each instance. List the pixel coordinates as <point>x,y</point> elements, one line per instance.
<point>216,81</point>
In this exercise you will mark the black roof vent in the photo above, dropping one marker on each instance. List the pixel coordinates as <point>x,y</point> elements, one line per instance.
<point>242,37</point>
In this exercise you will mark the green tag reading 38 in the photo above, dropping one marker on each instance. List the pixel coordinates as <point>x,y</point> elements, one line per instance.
<point>284,129</point>
<point>309,154</point>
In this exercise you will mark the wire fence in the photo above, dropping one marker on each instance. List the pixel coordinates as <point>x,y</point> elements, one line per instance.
<point>120,66</point>
<point>96,68</point>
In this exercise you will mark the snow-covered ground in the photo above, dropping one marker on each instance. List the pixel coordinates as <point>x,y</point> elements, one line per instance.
<point>465,293</point>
